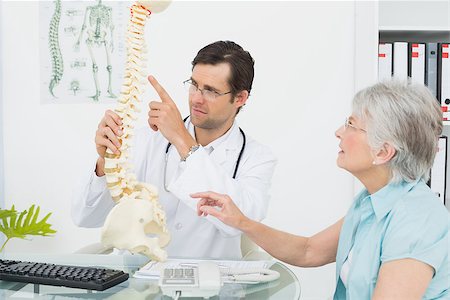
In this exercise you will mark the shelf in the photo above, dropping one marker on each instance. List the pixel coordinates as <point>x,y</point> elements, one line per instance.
<point>416,35</point>
<point>413,28</point>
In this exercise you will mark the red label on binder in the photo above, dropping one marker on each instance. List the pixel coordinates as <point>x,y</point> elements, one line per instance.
<point>444,108</point>
<point>445,45</point>
<point>415,45</point>
<point>444,55</point>
<point>415,54</point>
<point>381,55</point>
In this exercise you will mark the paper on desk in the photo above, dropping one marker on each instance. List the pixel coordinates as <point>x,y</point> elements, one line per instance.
<point>153,268</point>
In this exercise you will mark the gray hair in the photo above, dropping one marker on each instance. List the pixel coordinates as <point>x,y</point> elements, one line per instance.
<point>408,117</point>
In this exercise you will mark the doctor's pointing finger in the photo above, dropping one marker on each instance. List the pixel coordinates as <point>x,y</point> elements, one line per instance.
<point>165,117</point>
<point>165,97</point>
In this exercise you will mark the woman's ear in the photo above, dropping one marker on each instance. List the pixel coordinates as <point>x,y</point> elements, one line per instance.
<point>384,154</point>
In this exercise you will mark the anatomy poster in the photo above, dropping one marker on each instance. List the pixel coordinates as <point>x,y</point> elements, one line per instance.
<point>82,50</point>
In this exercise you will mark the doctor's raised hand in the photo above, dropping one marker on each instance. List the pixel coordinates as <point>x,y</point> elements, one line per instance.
<point>165,117</point>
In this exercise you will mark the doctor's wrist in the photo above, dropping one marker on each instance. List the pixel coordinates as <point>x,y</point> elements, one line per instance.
<point>100,167</point>
<point>186,146</point>
<point>192,149</point>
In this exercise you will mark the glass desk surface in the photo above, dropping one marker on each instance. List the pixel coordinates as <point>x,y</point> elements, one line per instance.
<point>286,287</point>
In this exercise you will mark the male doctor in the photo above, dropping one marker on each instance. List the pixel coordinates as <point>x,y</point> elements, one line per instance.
<point>208,151</point>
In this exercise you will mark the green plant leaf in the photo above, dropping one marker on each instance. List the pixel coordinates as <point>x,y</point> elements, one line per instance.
<point>6,213</point>
<point>16,228</point>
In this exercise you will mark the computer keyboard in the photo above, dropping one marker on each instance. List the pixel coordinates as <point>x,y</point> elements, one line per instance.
<point>90,278</point>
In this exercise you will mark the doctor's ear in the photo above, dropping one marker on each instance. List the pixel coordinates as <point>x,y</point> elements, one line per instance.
<point>384,154</point>
<point>241,98</point>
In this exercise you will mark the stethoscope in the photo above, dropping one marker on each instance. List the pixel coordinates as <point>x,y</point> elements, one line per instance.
<point>235,168</point>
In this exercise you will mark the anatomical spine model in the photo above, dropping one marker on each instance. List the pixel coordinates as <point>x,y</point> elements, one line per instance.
<point>55,51</point>
<point>137,212</point>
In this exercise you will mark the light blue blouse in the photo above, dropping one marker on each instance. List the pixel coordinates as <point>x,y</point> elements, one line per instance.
<point>403,220</point>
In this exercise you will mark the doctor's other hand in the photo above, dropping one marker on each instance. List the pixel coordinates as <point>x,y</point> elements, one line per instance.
<point>228,212</point>
<point>106,137</point>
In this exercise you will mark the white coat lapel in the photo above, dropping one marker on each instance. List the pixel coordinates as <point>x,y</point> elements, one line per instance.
<point>228,149</point>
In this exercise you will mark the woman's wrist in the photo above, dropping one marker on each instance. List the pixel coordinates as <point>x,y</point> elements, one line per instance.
<point>245,225</point>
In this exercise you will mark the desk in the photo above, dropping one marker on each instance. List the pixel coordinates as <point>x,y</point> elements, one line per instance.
<point>286,287</point>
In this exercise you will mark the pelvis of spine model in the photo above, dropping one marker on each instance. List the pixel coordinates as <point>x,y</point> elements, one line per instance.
<point>137,213</point>
<point>132,219</point>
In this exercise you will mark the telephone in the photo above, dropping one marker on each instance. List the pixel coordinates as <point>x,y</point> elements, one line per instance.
<point>201,281</point>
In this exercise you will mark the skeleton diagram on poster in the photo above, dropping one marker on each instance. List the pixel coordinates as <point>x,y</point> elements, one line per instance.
<point>82,50</point>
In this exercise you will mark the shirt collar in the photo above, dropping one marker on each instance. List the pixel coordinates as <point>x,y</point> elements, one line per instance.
<point>217,142</point>
<point>385,199</point>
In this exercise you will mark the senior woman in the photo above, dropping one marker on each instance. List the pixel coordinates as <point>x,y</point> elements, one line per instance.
<point>394,241</point>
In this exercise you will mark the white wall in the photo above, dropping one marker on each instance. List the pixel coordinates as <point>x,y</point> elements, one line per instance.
<point>2,182</point>
<point>305,79</point>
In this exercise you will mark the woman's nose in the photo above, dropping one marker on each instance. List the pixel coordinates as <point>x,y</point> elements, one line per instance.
<point>339,131</point>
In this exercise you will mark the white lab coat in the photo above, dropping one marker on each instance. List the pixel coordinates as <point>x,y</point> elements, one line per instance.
<point>209,168</point>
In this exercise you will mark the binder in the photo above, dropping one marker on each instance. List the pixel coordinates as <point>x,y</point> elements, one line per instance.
<point>444,79</point>
<point>384,61</point>
<point>438,177</point>
<point>416,62</point>
<point>445,113</point>
<point>400,60</point>
<point>431,69</point>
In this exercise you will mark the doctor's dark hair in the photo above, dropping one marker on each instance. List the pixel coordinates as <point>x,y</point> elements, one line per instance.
<point>406,116</point>
<point>240,61</point>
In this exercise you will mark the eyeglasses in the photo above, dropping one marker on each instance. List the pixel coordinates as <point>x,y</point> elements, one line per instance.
<point>347,124</point>
<point>208,95</point>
